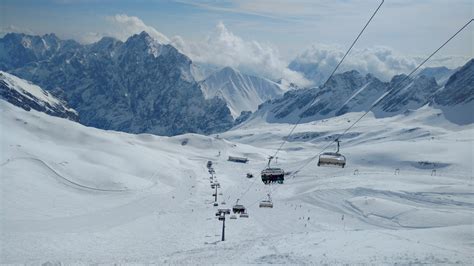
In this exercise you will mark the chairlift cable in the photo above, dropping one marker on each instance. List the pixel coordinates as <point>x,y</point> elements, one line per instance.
<point>329,78</point>
<point>378,101</point>
<point>324,84</point>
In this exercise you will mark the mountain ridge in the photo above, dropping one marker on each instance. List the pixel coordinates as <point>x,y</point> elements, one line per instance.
<point>136,86</point>
<point>241,92</point>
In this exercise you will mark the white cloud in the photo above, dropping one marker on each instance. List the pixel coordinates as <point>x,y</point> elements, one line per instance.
<point>12,28</point>
<point>124,26</point>
<point>318,61</point>
<point>220,48</point>
<point>224,48</point>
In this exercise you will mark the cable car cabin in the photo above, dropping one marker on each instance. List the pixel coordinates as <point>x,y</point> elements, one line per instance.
<point>238,208</point>
<point>272,175</point>
<point>332,158</point>
<point>266,204</point>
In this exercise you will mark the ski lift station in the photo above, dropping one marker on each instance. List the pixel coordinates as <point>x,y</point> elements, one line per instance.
<point>238,159</point>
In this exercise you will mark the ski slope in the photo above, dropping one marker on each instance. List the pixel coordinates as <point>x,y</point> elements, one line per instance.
<point>74,194</point>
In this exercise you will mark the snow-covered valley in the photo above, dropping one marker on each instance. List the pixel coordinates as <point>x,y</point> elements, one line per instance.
<point>75,194</point>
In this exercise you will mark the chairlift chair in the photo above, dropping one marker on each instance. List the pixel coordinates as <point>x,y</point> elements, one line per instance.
<point>332,158</point>
<point>216,204</point>
<point>266,203</point>
<point>233,217</point>
<point>244,215</point>
<point>238,208</point>
<point>225,211</point>
<point>272,175</point>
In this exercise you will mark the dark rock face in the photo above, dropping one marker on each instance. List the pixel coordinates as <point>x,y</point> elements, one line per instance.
<point>459,88</point>
<point>135,86</point>
<point>28,96</point>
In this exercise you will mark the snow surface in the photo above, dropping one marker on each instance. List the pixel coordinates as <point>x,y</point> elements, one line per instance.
<point>31,91</point>
<point>241,92</point>
<point>74,194</point>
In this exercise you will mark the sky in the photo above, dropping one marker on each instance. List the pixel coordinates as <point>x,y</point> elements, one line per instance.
<point>263,36</point>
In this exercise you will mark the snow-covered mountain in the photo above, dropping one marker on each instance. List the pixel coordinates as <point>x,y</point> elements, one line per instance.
<point>18,49</point>
<point>407,94</point>
<point>29,96</point>
<point>135,86</point>
<point>241,92</point>
<point>456,98</point>
<point>346,92</point>
<point>352,92</point>
<point>441,74</point>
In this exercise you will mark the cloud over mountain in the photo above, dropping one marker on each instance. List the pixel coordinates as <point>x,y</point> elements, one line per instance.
<point>224,48</point>
<point>319,60</point>
<point>129,25</point>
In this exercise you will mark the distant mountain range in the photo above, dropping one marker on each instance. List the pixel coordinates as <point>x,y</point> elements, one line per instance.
<point>135,86</point>
<point>318,72</point>
<point>353,92</point>
<point>141,85</point>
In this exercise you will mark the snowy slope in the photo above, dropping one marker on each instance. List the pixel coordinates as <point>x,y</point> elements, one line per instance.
<point>241,92</point>
<point>74,194</point>
<point>29,96</point>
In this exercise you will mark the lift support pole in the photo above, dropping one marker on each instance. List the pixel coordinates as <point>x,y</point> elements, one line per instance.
<point>223,229</point>
<point>215,195</point>
<point>221,213</point>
